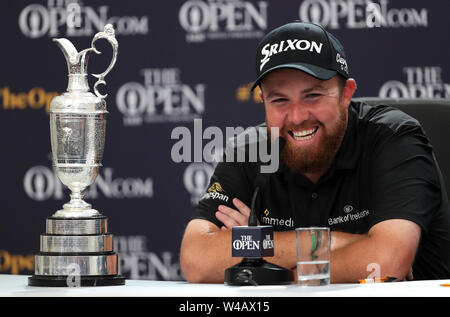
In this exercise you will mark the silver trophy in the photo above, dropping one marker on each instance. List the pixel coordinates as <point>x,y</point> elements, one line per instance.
<point>77,249</point>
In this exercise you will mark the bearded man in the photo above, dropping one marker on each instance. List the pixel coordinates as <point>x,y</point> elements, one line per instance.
<point>340,157</point>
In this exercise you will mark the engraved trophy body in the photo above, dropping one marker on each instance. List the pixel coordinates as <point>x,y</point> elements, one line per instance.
<point>77,249</point>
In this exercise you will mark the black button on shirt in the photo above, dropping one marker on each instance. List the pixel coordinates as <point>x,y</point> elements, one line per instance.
<point>383,170</point>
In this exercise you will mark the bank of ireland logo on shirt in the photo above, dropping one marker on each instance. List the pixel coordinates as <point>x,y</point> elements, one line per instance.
<point>350,214</point>
<point>348,208</point>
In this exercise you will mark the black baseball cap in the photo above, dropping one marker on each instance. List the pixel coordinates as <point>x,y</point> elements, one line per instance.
<point>307,47</point>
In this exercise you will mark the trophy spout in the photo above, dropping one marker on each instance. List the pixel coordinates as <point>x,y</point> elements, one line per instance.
<point>69,51</point>
<point>76,65</point>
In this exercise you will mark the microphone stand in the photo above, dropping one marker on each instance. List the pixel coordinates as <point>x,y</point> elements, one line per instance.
<point>257,271</point>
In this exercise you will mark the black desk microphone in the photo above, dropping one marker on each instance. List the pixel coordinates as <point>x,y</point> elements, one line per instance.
<point>254,242</point>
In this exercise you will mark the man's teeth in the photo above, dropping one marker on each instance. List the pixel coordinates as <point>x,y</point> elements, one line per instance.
<point>305,134</point>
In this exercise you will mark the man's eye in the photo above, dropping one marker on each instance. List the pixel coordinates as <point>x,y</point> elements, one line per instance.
<point>312,96</point>
<point>279,100</point>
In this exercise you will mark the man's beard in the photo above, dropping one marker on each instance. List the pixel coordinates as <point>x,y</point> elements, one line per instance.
<point>316,158</point>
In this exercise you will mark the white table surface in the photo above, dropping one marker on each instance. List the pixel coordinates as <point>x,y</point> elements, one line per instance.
<point>17,286</point>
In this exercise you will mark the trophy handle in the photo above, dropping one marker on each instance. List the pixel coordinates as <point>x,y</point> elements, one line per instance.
<point>107,34</point>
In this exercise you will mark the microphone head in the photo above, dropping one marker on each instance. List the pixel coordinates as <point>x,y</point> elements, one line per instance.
<point>252,242</point>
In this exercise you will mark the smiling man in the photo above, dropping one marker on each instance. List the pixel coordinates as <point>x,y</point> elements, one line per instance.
<point>367,172</point>
<point>313,131</point>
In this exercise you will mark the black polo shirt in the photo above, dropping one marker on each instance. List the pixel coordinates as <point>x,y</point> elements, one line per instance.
<point>385,169</point>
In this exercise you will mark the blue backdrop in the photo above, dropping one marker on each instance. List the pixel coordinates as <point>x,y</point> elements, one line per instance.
<point>178,61</point>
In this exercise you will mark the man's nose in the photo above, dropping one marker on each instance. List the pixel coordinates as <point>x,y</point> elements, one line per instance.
<point>298,113</point>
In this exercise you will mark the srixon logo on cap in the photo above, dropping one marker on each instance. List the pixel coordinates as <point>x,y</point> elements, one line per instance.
<point>295,44</point>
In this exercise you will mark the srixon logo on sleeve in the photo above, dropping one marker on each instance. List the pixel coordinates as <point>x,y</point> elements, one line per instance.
<point>283,46</point>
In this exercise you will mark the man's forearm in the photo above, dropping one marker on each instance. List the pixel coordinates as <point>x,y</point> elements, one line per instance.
<point>285,254</point>
<point>285,246</point>
<point>206,254</point>
<point>343,262</point>
<point>387,250</point>
<point>352,257</point>
<point>342,239</point>
<point>205,259</point>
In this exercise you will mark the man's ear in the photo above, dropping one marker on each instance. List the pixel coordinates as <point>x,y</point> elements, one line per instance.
<point>261,94</point>
<point>348,91</point>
